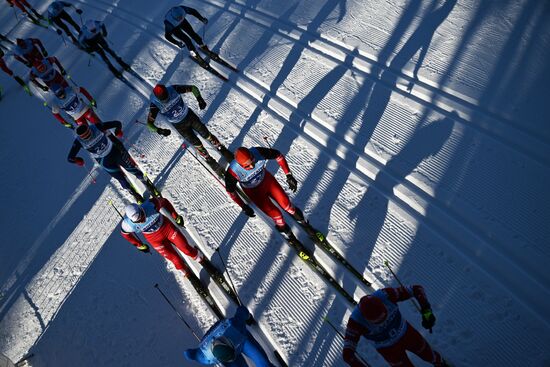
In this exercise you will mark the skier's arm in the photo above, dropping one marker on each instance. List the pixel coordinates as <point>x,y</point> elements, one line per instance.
<point>88,95</point>
<point>38,43</point>
<point>194,13</point>
<point>23,60</point>
<point>5,68</point>
<point>55,61</point>
<point>164,203</point>
<point>240,318</point>
<point>269,153</point>
<point>152,116</point>
<point>32,77</point>
<point>231,187</point>
<point>132,238</point>
<point>72,158</point>
<point>193,89</point>
<point>354,330</point>
<point>404,293</point>
<point>59,118</point>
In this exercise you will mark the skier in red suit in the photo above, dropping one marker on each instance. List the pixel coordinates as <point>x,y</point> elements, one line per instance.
<point>159,231</point>
<point>249,169</point>
<point>377,318</point>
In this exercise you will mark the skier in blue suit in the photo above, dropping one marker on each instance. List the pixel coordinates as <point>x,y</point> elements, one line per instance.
<point>226,342</point>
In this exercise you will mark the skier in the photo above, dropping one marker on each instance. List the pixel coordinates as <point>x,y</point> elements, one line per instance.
<point>159,231</point>
<point>175,25</point>
<point>45,70</point>
<point>57,14</point>
<point>92,39</point>
<point>378,319</point>
<point>109,153</point>
<point>69,99</point>
<point>226,341</point>
<point>249,169</point>
<point>25,7</point>
<point>8,71</point>
<point>29,51</point>
<point>167,101</point>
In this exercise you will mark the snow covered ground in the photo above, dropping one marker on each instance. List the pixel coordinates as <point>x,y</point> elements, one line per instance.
<point>418,132</point>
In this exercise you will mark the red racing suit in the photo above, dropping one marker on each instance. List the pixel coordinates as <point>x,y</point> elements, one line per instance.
<point>260,185</point>
<point>394,336</point>
<point>160,232</point>
<point>31,52</point>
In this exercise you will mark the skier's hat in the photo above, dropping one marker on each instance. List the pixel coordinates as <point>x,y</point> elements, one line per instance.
<point>223,350</point>
<point>160,92</point>
<point>243,156</point>
<point>84,132</point>
<point>134,212</point>
<point>373,309</point>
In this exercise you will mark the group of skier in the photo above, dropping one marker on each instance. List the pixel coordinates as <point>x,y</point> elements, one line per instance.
<point>376,317</point>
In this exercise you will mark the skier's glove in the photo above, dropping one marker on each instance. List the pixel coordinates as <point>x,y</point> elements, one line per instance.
<point>428,318</point>
<point>45,53</point>
<point>118,133</point>
<point>248,211</point>
<point>163,132</point>
<point>179,221</point>
<point>143,248</point>
<point>93,103</point>
<point>66,124</point>
<point>59,32</point>
<point>78,161</point>
<point>202,102</point>
<point>291,181</point>
<point>79,11</point>
<point>204,20</point>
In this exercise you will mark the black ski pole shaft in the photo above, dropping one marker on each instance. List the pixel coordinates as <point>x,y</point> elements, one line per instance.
<point>177,313</point>
<point>326,319</point>
<point>401,284</point>
<point>202,164</point>
<point>386,262</point>
<point>229,276</point>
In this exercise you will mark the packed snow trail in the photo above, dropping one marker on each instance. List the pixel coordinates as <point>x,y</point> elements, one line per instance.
<point>433,180</point>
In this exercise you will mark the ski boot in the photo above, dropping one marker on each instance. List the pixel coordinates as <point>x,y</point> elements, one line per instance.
<point>315,235</point>
<point>124,65</point>
<point>227,155</point>
<point>151,187</point>
<point>219,170</point>
<point>137,196</point>
<point>291,238</point>
<point>202,62</point>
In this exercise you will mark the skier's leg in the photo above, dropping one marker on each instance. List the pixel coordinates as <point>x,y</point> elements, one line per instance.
<point>179,240</point>
<point>203,131</point>
<point>178,33</point>
<point>416,343</point>
<point>186,27</point>
<point>59,24</point>
<point>261,197</point>
<point>278,193</point>
<point>65,16</point>
<point>395,355</point>
<point>253,350</point>
<point>166,250</point>
<point>185,128</point>
<point>104,57</point>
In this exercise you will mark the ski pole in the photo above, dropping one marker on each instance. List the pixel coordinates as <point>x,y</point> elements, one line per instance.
<point>202,164</point>
<point>228,276</point>
<point>387,264</point>
<point>326,319</point>
<point>177,313</point>
<point>89,174</point>
<point>140,122</point>
<point>71,80</point>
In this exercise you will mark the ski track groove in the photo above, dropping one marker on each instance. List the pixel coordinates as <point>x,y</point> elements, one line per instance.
<point>397,222</point>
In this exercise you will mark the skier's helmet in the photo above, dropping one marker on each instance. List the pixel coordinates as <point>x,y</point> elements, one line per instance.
<point>90,25</point>
<point>244,157</point>
<point>372,308</point>
<point>134,212</point>
<point>84,132</point>
<point>223,350</point>
<point>160,92</point>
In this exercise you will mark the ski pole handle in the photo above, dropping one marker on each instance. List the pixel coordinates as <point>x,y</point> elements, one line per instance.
<point>231,280</point>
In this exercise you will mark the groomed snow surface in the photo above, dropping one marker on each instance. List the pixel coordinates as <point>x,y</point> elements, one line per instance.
<point>417,130</point>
